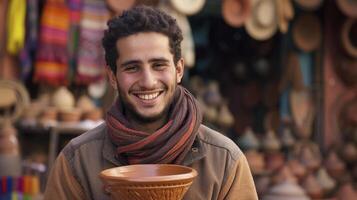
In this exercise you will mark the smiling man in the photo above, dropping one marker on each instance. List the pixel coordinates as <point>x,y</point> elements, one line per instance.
<point>153,120</point>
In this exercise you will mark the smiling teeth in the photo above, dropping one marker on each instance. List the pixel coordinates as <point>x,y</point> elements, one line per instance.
<point>148,96</point>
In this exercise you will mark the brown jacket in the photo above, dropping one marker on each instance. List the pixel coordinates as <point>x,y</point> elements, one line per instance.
<point>223,171</point>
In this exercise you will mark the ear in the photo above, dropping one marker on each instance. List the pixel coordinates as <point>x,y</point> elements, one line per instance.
<point>180,67</point>
<point>111,77</point>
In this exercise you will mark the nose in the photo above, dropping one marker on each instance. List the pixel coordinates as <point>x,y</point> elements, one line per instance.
<point>148,79</point>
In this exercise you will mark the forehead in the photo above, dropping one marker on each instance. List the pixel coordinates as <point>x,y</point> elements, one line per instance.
<point>147,42</point>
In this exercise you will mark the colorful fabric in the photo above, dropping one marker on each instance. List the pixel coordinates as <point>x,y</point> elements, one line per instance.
<point>169,144</point>
<point>16,26</point>
<point>28,52</point>
<point>91,63</point>
<point>51,65</point>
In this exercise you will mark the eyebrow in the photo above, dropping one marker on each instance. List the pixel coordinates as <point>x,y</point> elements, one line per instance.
<point>130,62</point>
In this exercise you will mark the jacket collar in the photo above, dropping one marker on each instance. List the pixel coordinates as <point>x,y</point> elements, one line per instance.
<point>196,152</point>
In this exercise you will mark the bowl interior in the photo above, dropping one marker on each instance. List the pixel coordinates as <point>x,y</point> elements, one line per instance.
<point>149,172</point>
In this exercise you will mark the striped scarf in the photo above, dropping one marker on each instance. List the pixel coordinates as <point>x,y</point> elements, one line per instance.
<point>169,144</point>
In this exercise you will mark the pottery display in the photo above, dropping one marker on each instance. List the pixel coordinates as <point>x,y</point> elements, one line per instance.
<point>327,183</point>
<point>63,99</point>
<point>248,140</point>
<point>297,168</point>
<point>148,181</point>
<point>271,142</point>
<point>334,165</point>
<point>286,191</point>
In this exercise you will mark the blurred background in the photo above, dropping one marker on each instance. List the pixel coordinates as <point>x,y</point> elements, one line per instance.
<point>278,77</point>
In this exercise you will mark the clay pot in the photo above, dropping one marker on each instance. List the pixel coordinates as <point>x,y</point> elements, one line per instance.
<point>274,161</point>
<point>225,117</point>
<point>287,138</point>
<point>327,183</point>
<point>346,192</point>
<point>308,154</point>
<point>248,140</point>
<point>334,165</point>
<point>285,174</point>
<point>148,181</point>
<point>297,169</point>
<point>349,152</point>
<point>85,104</point>
<point>270,142</point>
<point>256,161</point>
<point>70,115</point>
<point>312,187</point>
<point>63,99</point>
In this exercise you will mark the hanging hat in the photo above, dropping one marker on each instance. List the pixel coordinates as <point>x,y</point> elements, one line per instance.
<point>285,14</point>
<point>118,6</point>
<point>348,7</point>
<point>235,12</point>
<point>307,32</point>
<point>263,21</point>
<point>188,46</point>
<point>348,37</point>
<point>188,7</point>
<point>309,4</point>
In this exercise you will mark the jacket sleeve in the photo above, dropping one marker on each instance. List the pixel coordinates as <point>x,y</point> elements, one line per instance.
<point>61,184</point>
<point>240,183</point>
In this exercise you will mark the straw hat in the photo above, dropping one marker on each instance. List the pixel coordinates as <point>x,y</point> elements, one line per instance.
<point>188,7</point>
<point>188,46</point>
<point>309,4</point>
<point>348,37</point>
<point>285,13</point>
<point>348,7</point>
<point>307,32</point>
<point>235,12</point>
<point>119,5</point>
<point>263,21</point>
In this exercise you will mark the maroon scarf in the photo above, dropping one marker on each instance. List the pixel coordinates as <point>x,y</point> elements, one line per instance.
<point>169,144</point>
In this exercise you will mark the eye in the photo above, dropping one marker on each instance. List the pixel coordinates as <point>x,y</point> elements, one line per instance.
<point>131,68</point>
<point>159,65</point>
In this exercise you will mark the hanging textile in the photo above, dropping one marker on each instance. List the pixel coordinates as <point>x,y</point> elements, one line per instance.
<point>51,65</point>
<point>28,52</point>
<point>91,63</point>
<point>16,26</point>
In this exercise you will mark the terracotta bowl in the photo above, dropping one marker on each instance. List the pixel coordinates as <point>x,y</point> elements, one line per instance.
<point>148,181</point>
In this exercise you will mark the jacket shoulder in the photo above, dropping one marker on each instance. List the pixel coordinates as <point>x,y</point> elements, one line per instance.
<point>88,139</point>
<point>215,140</point>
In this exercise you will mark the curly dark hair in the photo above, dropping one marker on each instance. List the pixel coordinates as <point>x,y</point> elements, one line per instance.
<point>136,20</point>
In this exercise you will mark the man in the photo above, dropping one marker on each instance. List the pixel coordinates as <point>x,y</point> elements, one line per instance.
<point>153,120</point>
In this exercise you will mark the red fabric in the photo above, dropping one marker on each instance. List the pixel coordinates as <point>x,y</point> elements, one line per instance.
<point>169,144</point>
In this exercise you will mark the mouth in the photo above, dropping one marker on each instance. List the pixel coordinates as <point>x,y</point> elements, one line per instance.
<point>148,96</point>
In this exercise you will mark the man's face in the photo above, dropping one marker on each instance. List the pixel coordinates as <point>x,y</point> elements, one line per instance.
<point>146,76</point>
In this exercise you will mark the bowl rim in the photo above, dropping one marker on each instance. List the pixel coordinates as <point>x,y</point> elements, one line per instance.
<point>191,174</point>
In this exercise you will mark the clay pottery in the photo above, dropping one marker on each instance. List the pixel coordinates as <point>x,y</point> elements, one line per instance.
<point>256,161</point>
<point>85,104</point>
<point>73,115</point>
<point>225,117</point>
<point>349,152</point>
<point>270,142</point>
<point>334,165</point>
<point>326,182</point>
<point>310,157</point>
<point>312,187</point>
<point>346,192</point>
<point>286,191</point>
<point>274,161</point>
<point>212,96</point>
<point>287,138</point>
<point>63,99</point>
<point>297,169</point>
<point>94,114</point>
<point>248,140</point>
<point>148,181</point>
<point>285,174</point>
